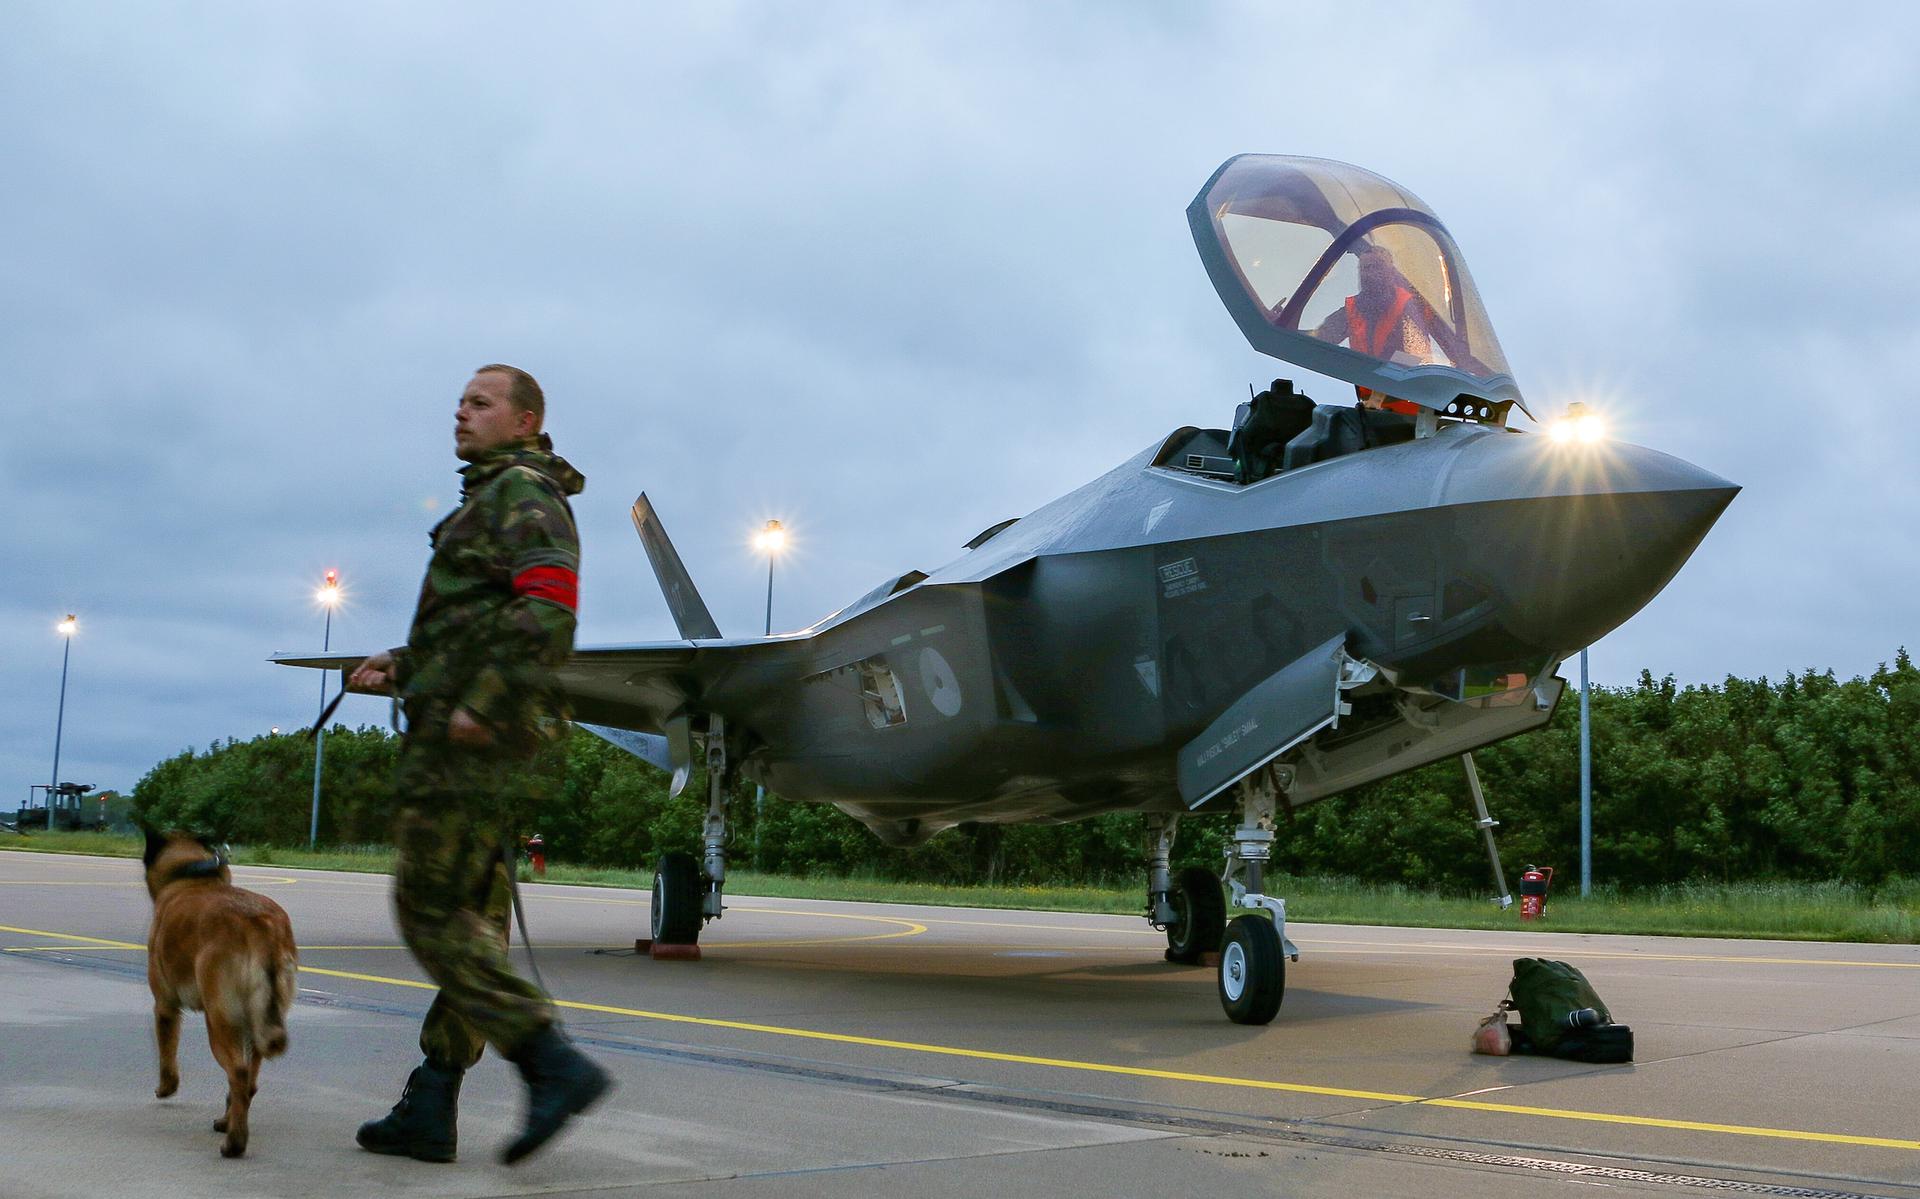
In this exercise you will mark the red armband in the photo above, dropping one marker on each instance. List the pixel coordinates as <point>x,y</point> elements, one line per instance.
<point>555,584</point>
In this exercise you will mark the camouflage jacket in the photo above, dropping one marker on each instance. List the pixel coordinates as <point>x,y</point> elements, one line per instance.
<point>496,610</point>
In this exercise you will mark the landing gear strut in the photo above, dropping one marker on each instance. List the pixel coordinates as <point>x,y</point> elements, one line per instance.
<point>1253,963</point>
<point>1486,824</point>
<point>1189,908</point>
<point>686,896</point>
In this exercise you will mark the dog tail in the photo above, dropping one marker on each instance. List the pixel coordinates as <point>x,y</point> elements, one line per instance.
<point>268,1014</point>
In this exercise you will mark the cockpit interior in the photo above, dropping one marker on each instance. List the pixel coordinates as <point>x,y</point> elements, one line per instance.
<point>1281,429</point>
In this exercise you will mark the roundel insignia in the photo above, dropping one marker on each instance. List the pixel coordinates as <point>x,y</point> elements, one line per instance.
<point>941,684</point>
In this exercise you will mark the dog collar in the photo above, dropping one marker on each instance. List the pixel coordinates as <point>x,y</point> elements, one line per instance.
<point>204,868</point>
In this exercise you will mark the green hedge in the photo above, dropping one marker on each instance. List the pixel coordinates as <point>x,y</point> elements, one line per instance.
<point>1805,779</point>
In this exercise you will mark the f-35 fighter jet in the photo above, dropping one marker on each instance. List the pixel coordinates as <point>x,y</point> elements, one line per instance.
<point>1249,618</point>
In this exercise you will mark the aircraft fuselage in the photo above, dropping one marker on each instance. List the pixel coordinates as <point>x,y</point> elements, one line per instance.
<point>1052,672</point>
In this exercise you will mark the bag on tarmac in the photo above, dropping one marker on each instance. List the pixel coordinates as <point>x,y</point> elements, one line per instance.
<point>1561,1015</point>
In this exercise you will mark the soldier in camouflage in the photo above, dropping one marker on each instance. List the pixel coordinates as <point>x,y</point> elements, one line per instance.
<point>496,615</point>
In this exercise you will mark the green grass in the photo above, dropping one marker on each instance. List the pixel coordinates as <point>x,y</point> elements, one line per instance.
<point>1831,911</point>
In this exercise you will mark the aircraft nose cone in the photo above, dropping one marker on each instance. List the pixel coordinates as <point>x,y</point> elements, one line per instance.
<point>1589,534</point>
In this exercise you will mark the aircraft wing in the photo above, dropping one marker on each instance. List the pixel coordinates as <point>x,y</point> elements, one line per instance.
<point>638,687</point>
<point>642,686</point>
<point>322,661</point>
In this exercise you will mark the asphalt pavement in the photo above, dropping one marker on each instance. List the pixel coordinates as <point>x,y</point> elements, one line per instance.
<point>822,1048</point>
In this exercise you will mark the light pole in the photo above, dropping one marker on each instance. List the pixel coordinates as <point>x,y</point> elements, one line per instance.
<point>771,540</point>
<point>66,629</point>
<point>328,596</point>
<point>1582,425</point>
<point>1586,788</point>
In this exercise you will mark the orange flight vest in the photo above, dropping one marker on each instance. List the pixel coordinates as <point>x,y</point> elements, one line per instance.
<point>1357,339</point>
<point>1357,325</point>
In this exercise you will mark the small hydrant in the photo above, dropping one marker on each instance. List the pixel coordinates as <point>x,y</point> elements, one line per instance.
<point>537,854</point>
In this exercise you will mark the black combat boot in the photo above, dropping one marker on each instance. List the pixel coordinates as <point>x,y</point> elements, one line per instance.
<point>561,1082</point>
<point>421,1125</point>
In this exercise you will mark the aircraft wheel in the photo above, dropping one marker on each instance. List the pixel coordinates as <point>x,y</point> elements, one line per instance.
<point>676,900</point>
<point>1253,971</point>
<point>1200,915</point>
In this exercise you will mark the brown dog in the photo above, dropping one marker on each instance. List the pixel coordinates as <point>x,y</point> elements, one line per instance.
<point>227,952</point>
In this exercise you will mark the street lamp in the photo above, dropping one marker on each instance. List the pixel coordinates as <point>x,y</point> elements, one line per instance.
<point>771,540</point>
<point>66,629</point>
<point>328,595</point>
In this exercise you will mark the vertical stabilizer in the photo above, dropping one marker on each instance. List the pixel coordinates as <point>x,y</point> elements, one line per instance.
<point>689,610</point>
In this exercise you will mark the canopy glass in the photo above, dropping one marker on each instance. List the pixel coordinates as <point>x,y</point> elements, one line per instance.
<point>1338,270</point>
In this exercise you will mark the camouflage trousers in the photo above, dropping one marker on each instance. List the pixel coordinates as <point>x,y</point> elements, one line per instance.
<point>452,895</point>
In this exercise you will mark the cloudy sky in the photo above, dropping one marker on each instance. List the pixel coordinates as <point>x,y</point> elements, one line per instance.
<point>890,273</point>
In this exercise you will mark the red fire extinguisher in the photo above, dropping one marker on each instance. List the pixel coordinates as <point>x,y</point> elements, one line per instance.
<point>537,854</point>
<point>1533,891</point>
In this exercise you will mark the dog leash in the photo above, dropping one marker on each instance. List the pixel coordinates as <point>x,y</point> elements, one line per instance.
<point>326,714</point>
<point>508,854</point>
<point>520,914</point>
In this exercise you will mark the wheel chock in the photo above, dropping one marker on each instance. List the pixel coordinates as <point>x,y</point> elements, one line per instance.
<point>1210,960</point>
<point>661,951</point>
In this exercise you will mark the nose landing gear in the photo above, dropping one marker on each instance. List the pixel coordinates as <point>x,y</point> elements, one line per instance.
<point>1253,962</point>
<point>1253,971</point>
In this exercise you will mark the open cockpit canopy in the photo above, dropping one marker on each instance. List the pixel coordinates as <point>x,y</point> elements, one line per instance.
<point>1338,270</point>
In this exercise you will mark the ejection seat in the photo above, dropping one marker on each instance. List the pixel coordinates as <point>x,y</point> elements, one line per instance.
<point>1334,431</point>
<point>1264,427</point>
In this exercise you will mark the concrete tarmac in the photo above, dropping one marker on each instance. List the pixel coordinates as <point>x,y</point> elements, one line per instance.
<point>863,1049</point>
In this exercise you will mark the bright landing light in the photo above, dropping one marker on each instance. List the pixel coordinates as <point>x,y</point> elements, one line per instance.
<point>329,592</point>
<point>1579,424</point>
<point>67,627</point>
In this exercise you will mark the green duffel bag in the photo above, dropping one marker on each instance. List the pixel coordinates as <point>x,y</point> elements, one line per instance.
<point>1562,1015</point>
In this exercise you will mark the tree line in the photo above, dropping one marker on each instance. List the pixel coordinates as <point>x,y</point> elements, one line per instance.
<point>1808,778</point>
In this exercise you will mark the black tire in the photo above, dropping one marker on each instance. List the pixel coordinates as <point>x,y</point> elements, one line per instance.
<point>1253,971</point>
<point>676,900</point>
<point>1200,915</point>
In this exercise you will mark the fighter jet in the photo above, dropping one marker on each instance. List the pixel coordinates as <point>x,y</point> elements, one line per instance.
<point>1247,618</point>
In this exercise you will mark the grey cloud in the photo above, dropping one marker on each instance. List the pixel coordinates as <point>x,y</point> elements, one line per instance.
<point>890,275</point>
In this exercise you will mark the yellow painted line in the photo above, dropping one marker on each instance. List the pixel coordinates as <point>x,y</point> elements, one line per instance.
<point>1401,948</point>
<point>911,930</point>
<point>1052,928</point>
<point>988,1054</point>
<point>349,948</point>
<point>256,880</point>
<point>40,932</point>
<point>1222,1080</point>
<point>371,978</point>
<point>63,948</point>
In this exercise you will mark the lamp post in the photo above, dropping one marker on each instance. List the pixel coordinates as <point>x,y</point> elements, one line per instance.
<point>66,629</point>
<point>1586,788</point>
<point>771,540</point>
<point>328,596</point>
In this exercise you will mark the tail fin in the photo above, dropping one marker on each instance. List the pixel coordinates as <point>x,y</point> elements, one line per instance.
<point>267,1012</point>
<point>689,610</point>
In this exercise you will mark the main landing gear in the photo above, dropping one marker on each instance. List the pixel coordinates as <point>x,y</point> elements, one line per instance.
<point>1253,948</point>
<point>687,894</point>
<point>1190,908</point>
